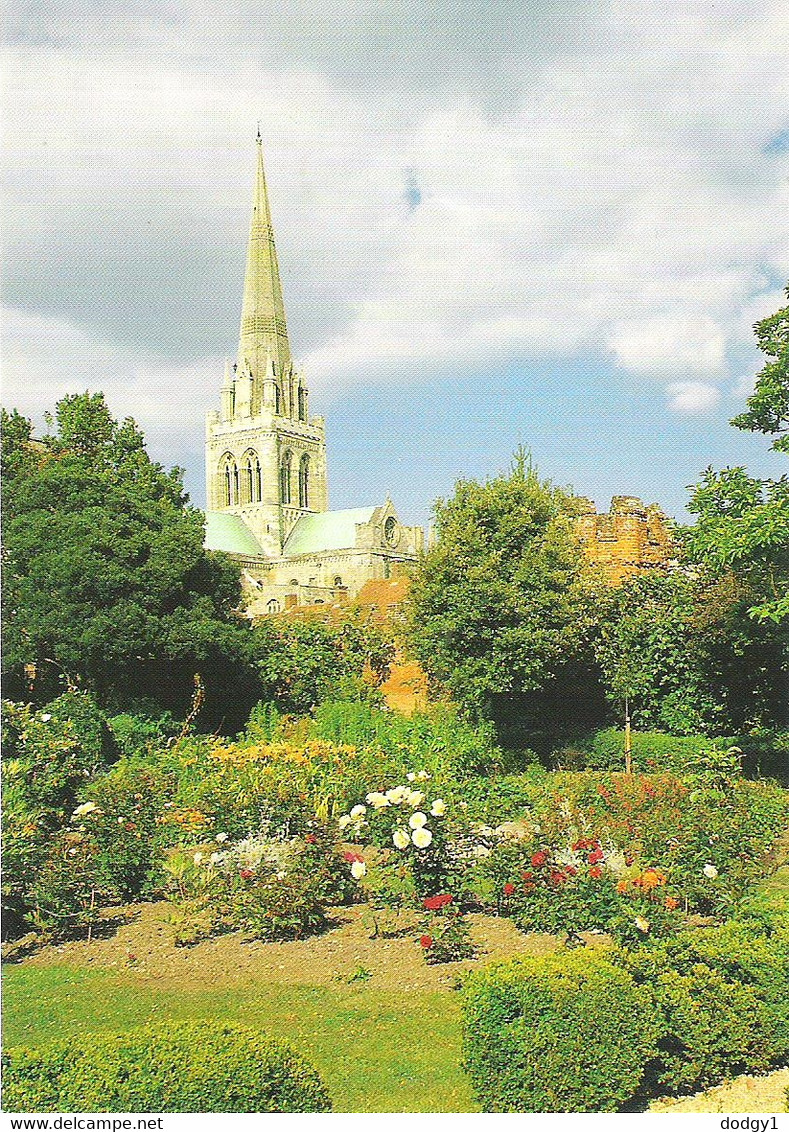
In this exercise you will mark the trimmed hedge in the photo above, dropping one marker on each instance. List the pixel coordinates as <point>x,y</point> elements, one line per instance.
<point>168,1067</point>
<point>651,751</point>
<point>565,1033</point>
<point>723,998</point>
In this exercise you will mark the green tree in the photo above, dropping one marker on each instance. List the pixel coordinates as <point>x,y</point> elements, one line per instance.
<point>681,648</point>
<point>107,582</point>
<point>743,522</point>
<point>502,611</point>
<point>302,663</point>
<point>768,405</point>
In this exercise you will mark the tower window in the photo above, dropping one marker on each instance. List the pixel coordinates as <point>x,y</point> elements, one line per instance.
<point>228,477</point>
<point>304,482</point>
<point>272,606</point>
<point>284,478</point>
<point>302,404</point>
<point>277,399</point>
<point>252,479</point>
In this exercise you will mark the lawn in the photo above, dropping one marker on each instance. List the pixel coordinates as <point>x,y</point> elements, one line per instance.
<point>377,1051</point>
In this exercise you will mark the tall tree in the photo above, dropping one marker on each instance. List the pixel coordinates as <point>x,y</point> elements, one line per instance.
<point>107,582</point>
<point>501,610</point>
<point>768,405</point>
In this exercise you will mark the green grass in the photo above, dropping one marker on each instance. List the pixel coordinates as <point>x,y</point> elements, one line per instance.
<point>378,1051</point>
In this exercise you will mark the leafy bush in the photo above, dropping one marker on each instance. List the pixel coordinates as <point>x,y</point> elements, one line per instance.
<point>565,1033</point>
<point>266,886</point>
<point>135,734</point>
<point>167,1067</point>
<point>445,934</point>
<point>723,998</point>
<point>711,841</point>
<point>438,740</point>
<point>652,751</point>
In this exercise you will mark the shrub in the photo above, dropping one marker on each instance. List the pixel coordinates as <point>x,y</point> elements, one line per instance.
<point>652,751</point>
<point>723,998</point>
<point>168,1067</point>
<point>564,1033</point>
<point>135,734</point>
<point>269,887</point>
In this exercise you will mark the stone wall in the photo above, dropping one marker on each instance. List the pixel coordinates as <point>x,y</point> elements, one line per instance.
<point>631,537</point>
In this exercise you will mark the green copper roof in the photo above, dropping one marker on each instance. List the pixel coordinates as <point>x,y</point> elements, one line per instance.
<point>328,530</point>
<point>228,532</point>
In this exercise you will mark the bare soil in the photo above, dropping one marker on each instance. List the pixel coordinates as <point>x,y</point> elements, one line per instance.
<point>743,1094</point>
<point>139,939</point>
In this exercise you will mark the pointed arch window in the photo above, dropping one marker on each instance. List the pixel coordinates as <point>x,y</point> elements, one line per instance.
<point>304,482</point>
<point>228,478</point>
<point>252,479</point>
<point>277,399</point>
<point>302,404</point>
<point>284,477</point>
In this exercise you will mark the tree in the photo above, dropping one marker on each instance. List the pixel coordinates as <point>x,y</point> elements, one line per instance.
<point>502,614</point>
<point>107,583</point>
<point>743,522</point>
<point>680,646</point>
<point>768,405</point>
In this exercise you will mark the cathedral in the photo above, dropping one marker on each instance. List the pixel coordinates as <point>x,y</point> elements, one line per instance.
<point>267,495</point>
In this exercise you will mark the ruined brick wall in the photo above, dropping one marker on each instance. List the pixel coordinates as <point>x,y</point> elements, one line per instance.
<point>631,537</point>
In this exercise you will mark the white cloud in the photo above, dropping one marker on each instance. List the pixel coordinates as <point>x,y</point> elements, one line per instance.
<point>692,397</point>
<point>618,204</point>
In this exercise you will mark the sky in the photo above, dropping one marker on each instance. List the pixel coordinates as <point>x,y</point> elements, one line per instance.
<point>547,223</point>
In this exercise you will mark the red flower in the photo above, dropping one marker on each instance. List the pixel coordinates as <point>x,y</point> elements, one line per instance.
<point>246,874</point>
<point>558,877</point>
<point>595,872</point>
<point>528,877</point>
<point>570,870</point>
<point>310,838</point>
<point>426,941</point>
<point>351,856</point>
<point>509,889</point>
<point>578,845</point>
<point>649,790</point>
<point>596,856</point>
<point>436,903</point>
<point>539,859</point>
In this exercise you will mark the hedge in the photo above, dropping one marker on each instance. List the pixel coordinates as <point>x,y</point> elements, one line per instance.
<point>723,998</point>
<point>651,751</point>
<point>167,1067</point>
<point>562,1033</point>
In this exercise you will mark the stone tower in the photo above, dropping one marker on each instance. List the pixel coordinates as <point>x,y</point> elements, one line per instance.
<point>265,456</point>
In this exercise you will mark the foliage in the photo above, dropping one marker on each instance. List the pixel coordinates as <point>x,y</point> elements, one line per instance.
<point>302,663</point>
<point>681,648</point>
<point>651,751</point>
<point>106,578</point>
<point>566,1033</point>
<point>268,886</point>
<point>437,739</point>
<point>723,997</point>
<point>710,841</point>
<point>445,936</point>
<point>768,405</point>
<point>165,1067</point>
<point>48,756</point>
<point>135,734</point>
<point>502,614</point>
<point>402,830</point>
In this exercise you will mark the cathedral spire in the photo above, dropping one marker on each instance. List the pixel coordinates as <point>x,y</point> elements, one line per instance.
<point>263,327</point>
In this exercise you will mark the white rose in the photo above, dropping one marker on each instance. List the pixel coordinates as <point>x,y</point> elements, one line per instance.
<point>641,924</point>
<point>221,837</point>
<point>396,795</point>
<point>358,811</point>
<point>85,808</point>
<point>411,776</point>
<point>421,837</point>
<point>415,798</point>
<point>377,800</point>
<point>401,839</point>
<point>45,716</point>
<point>344,821</point>
<point>358,870</point>
<point>423,776</point>
<point>197,858</point>
<point>439,808</point>
<point>482,851</point>
<point>710,871</point>
<point>215,858</point>
<point>417,820</point>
